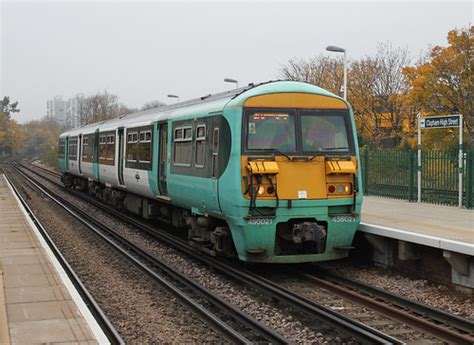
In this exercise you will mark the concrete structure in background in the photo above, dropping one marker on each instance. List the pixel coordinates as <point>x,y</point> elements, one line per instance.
<point>65,112</point>
<point>56,110</point>
<point>72,112</point>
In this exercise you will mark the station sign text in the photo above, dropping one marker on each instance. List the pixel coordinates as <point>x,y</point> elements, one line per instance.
<point>440,121</point>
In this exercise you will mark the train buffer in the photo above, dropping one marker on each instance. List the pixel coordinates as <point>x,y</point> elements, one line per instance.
<point>434,238</point>
<point>38,302</point>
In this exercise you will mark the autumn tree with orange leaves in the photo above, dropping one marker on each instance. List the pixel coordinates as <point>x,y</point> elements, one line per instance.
<point>444,82</point>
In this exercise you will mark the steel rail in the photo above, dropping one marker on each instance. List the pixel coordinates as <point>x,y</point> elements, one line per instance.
<point>445,326</point>
<point>217,301</point>
<point>349,326</point>
<point>44,169</point>
<point>110,332</point>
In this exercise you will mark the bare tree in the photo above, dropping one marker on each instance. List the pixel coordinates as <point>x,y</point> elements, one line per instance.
<point>377,85</point>
<point>152,105</point>
<point>99,107</point>
<point>323,71</point>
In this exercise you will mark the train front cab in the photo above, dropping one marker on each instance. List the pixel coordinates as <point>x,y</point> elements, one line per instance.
<point>299,179</point>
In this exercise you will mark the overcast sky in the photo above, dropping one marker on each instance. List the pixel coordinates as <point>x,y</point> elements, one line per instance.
<point>144,51</point>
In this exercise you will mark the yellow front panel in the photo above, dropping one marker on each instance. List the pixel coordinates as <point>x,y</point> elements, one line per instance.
<point>299,179</point>
<point>295,100</point>
<point>295,179</point>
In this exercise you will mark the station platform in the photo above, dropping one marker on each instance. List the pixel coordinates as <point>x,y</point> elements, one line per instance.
<point>437,226</point>
<point>38,302</point>
<point>449,229</point>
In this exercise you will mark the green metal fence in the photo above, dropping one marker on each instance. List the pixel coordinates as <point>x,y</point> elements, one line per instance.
<point>393,173</point>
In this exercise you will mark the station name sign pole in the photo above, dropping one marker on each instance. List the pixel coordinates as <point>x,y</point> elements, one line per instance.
<point>445,121</point>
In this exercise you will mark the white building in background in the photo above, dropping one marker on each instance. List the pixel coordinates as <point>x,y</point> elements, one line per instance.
<point>56,110</point>
<point>66,112</point>
<point>72,112</point>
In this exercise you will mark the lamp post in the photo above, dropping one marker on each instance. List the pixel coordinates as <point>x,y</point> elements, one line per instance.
<point>341,50</point>
<point>173,96</point>
<point>229,80</point>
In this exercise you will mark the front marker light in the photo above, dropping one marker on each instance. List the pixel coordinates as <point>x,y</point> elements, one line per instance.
<point>347,189</point>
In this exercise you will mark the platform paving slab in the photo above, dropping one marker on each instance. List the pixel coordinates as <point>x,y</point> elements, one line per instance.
<point>35,305</point>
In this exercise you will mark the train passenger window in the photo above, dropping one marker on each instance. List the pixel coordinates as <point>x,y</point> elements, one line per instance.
<point>110,147</point>
<point>72,148</point>
<point>132,147</point>
<point>183,146</point>
<point>199,159</point>
<point>61,148</point>
<point>86,149</point>
<point>102,146</point>
<point>144,147</point>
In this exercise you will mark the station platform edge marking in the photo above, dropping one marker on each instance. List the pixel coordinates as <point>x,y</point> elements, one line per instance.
<point>413,237</point>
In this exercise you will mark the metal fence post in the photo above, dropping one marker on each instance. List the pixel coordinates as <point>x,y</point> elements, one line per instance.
<point>365,170</point>
<point>469,176</point>
<point>411,175</point>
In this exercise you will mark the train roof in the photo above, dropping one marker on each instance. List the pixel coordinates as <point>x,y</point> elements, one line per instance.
<point>207,103</point>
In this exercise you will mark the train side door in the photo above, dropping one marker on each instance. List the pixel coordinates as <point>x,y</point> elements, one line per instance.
<point>215,165</point>
<point>215,153</point>
<point>162,159</point>
<point>66,156</point>
<point>79,153</point>
<point>120,160</point>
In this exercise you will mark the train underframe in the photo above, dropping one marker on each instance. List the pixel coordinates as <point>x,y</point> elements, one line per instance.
<point>209,234</point>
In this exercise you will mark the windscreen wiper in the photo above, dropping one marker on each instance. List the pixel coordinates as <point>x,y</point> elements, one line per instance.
<point>333,148</point>
<point>329,149</point>
<point>276,151</point>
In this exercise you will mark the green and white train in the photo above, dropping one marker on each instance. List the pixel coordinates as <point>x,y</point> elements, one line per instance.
<point>267,172</point>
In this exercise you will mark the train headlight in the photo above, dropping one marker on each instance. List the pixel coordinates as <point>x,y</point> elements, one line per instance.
<point>261,190</point>
<point>340,188</point>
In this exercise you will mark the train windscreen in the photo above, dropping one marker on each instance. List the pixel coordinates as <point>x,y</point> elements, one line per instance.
<point>271,130</point>
<point>324,131</point>
<point>298,131</point>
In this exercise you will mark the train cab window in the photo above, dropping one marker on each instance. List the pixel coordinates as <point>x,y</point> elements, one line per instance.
<point>144,147</point>
<point>132,146</point>
<point>269,130</point>
<point>61,148</point>
<point>324,131</point>
<point>72,154</point>
<point>183,146</point>
<point>200,156</point>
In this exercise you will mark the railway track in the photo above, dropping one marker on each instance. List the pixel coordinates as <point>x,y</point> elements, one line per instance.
<point>447,327</point>
<point>343,324</point>
<point>149,263</point>
<point>442,325</point>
